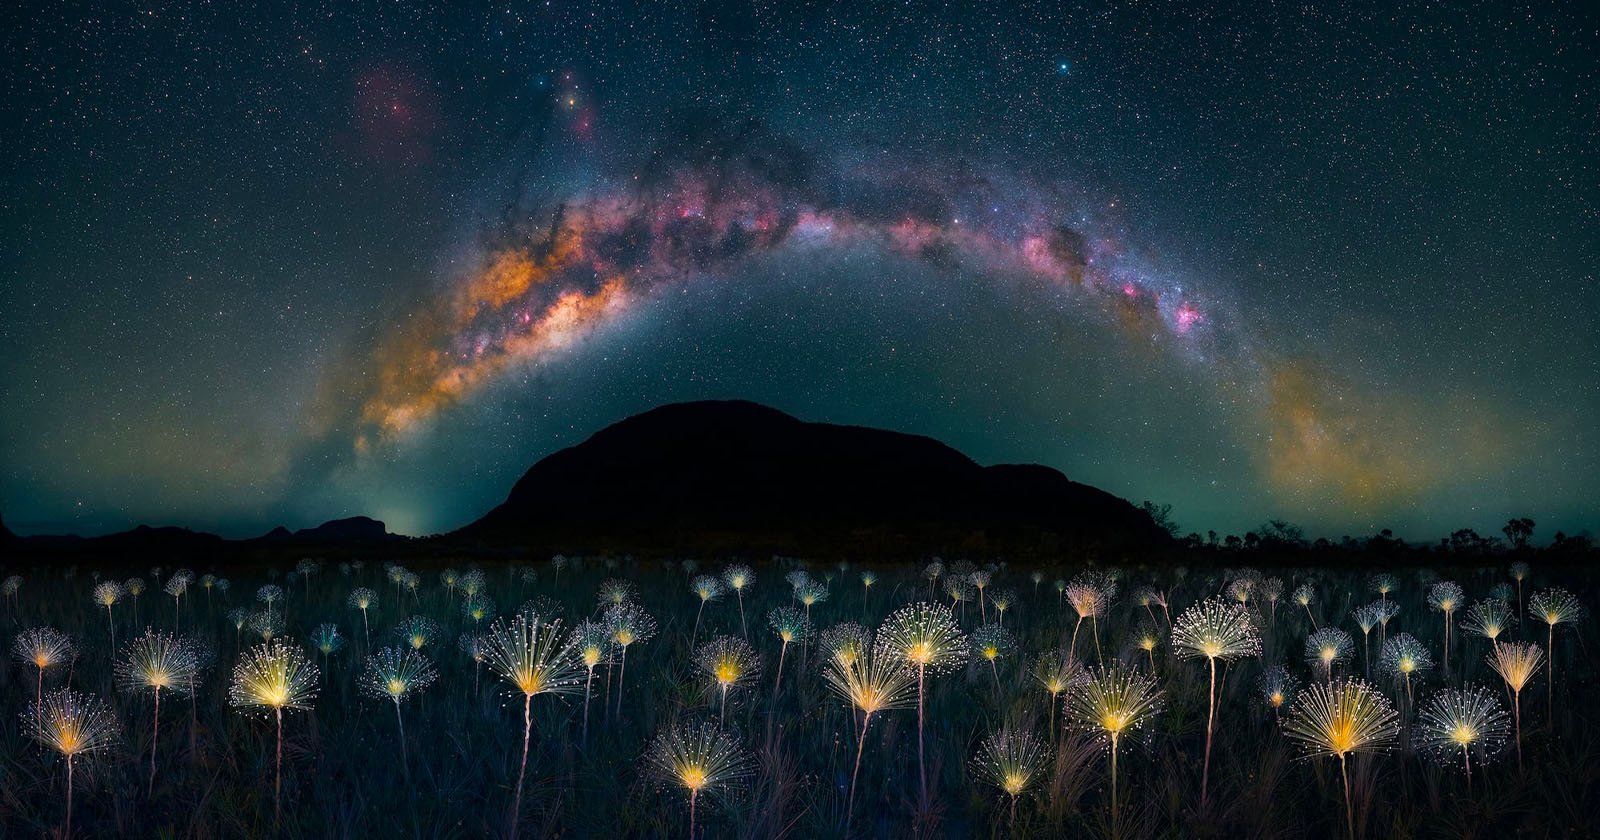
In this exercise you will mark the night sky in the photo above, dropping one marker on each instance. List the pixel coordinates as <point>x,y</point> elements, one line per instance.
<point>276,265</point>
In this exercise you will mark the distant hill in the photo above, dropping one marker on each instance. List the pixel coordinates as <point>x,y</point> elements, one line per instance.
<point>353,529</point>
<point>737,475</point>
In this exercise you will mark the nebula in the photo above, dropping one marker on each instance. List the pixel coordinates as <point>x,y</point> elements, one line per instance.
<point>704,210</point>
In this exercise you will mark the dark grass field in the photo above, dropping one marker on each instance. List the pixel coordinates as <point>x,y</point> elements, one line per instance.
<point>343,775</point>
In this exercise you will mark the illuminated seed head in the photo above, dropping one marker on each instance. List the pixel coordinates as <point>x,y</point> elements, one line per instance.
<point>477,608</point>
<point>43,648</point>
<point>1304,594</point>
<point>1012,760</point>
<point>418,631</point>
<point>614,592</point>
<point>71,723</point>
<point>845,642</point>
<point>1277,686</point>
<point>1519,571</point>
<point>992,642</point>
<point>790,624</point>
<point>327,639</point>
<point>1241,589</point>
<point>471,644</point>
<point>980,578</point>
<point>1147,638</point>
<point>1516,662</point>
<point>872,683</point>
<point>273,676</point>
<point>1382,583</point>
<point>958,588</point>
<point>1446,596</point>
<point>1385,611</point>
<point>1086,600</point>
<point>1487,618</point>
<point>1115,700</point>
<point>699,760</point>
<point>629,624</point>
<point>450,578</point>
<point>729,661</point>
<point>811,593</point>
<point>738,577</point>
<point>1341,718</point>
<point>1403,656</point>
<point>156,661</point>
<point>868,578</point>
<point>269,594</point>
<point>1328,647</point>
<point>239,617</point>
<point>267,624</point>
<point>591,640</point>
<point>473,582</point>
<point>933,570</point>
<point>135,586</point>
<point>1457,722</point>
<point>706,588</point>
<point>1366,616</point>
<point>1554,606</point>
<point>1057,673</point>
<point>395,673</point>
<point>926,636</point>
<point>107,593</point>
<point>362,598</point>
<point>533,657</point>
<point>1003,600</point>
<point>1215,629</point>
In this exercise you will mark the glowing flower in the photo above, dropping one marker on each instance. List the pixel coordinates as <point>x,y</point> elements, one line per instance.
<point>1340,719</point>
<point>1113,702</point>
<point>1012,760</point>
<point>925,637</point>
<point>1516,663</point>
<point>535,659</point>
<point>1216,630</point>
<point>43,648</point>
<point>1463,723</point>
<point>699,760</point>
<point>1328,647</point>
<point>1403,656</point>
<point>729,662</point>
<point>74,725</point>
<point>274,676</point>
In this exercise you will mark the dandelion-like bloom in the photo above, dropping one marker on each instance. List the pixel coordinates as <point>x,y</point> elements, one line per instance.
<point>1463,723</point>
<point>730,662</point>
<point>810,594</point>
<point>1012,760</point>
<point>152,662</point>
<point>1519,573</point>
<point>1553,606</point>
<point>1304,595</point>
<point>43,648</point>
<point>327,640</point>
<point>980,580</point>
<point>1487,618</point>
<point>1056,674</point>
<point>591,641</point>
<point>107,594</point>
<point>871,683</point>
<point>614,592</point>
<point>1385,613</point>
<point>1343,718</point>
<point>706,589</point>
<point>1241,589</point>
<point>363,599</point>
<point>275,676</point>
<point>1088,601</point>
<point>1446,597</point>
<point>1516,663</point>
<point>739,577</point>
<point>991,643</point>
<point>394,674</point>
<point>267,624</point>
<point>1147,639</point>
<point>844,642</point>
<point>1216,630</point>
<point>535,659</point>
<point>473,582</point>
<point>1003,600</point>
<point>1403,656</point>
<point>926,638</point>
<point>74,725</point>
<point>418,631</point>
<point>791,626</point>
<point>270,594</point>
<point>1382,583</point>
<point>1328,647</point>
<point>450,578</point>
<point>699,760</point>
<point>630,625</point>
<point>1277,686</point>
<point>1114,701</point>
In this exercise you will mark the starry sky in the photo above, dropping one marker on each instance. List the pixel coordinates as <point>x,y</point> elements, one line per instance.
<point>270,264</point>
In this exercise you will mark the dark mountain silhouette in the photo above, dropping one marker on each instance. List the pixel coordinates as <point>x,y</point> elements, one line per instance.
<point>353,529</point>
<point>737,475</point>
